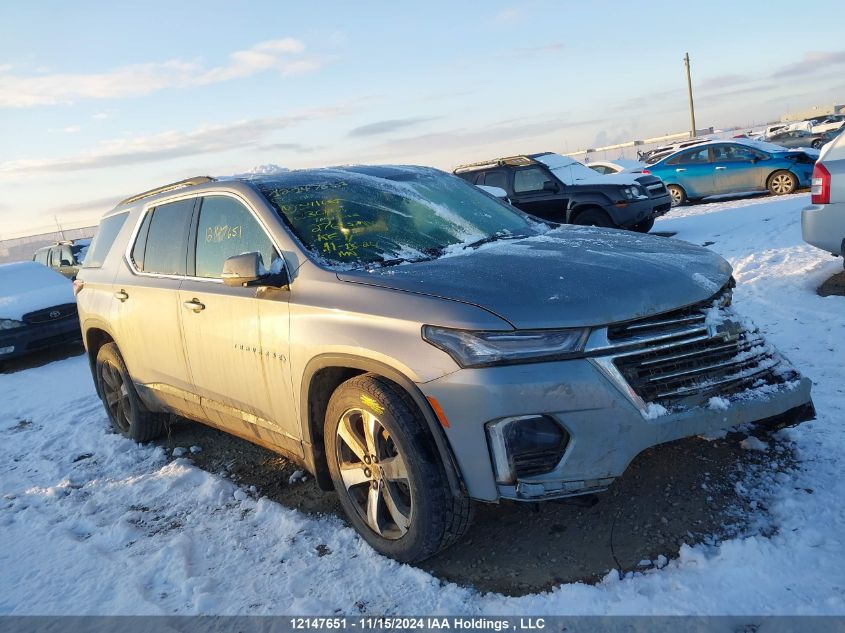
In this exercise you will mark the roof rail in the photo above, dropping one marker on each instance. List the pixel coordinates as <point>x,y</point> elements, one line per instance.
<point>496,162</point>
<point>198,180</point>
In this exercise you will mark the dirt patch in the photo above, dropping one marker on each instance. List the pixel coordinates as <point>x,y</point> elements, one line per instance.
<point>833,286</point>
<point>690,491</point>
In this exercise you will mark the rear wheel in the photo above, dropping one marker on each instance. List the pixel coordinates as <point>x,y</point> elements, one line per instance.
<point>594,217</point>
<point>817,143</point>
<point>678,195</point>
<point>126,412</point>
<point>782,182</point>
<point>645,226</point>
<point>387,472</point>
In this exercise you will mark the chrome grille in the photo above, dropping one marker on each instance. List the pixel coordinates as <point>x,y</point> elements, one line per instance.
<point>657,189</point>
<point>685,357</point>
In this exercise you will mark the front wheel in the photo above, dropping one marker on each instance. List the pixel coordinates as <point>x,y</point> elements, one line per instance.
<point>595,217</point>
<point>782,182</point>
<point>645,226</point>
<point>678,195</point>
<point>387,472</point>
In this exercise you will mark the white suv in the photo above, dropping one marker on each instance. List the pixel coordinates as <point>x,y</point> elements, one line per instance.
<point>823,222</point>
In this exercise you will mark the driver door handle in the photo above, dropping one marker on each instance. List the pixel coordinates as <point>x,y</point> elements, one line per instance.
<point>121,295</point>
<point>194,304</point>
<point>718,168</point>
<point>681,169</point>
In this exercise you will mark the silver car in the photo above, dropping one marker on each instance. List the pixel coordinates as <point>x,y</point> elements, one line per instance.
<point>415,342</point>
<point>823,222</point>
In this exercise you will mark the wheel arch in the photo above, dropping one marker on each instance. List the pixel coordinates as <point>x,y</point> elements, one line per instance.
<point>323,375</point>
<point>95,335</point>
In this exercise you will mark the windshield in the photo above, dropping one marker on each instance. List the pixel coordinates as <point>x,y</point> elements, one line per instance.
<point>566,169</point>
<point>354,216</point>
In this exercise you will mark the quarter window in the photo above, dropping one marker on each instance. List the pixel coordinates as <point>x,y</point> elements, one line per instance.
<point>165,247</point>
<point>103,240</point>
<point>226,228</point>
<point>529,180</point>
<point>41,257</point>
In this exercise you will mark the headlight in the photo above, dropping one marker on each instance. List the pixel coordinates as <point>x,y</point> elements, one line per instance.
<point>9,324</point>
<point>482,349</point>
<point>632,193</point>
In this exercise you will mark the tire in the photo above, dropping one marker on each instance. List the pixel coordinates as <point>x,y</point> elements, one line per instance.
<point>817,144</point>
<point>595,217</point>
<point>643,227</point>
<point>406,511</point>
<point>678,195</point>
<point>782,182</point>
<point>127,413</point>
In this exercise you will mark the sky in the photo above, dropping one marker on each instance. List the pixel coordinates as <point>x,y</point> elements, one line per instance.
<point>102,100</point>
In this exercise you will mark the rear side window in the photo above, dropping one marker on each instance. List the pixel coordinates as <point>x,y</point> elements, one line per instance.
<point>496,179</point>
<point>166,238</point>
<point>104,239</point>
<point>226,228</point>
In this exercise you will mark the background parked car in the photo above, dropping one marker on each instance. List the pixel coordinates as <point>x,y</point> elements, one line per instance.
<point>650,155</point>
<point>607,167</point>
<point>37,309</point>
<point>64,257</point>
<point>798,138</point>
<point>823,222</point>
<point>560,189</point>
<point>738,166</point>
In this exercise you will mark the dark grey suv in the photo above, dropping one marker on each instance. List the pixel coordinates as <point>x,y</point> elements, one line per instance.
<point>415,342</point>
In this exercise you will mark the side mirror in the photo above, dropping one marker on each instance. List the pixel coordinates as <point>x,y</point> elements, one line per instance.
<point>550,186</point>
<point>242,270</point>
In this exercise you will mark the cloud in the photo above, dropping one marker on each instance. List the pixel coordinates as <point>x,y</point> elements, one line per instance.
<point>168,145</point>
<point>508,16</point>
<point>390,125</point>
<point>101,115</point>
<point>722,81</point>
<point>284,56</point>
<point>812,62</point>
<point>72,129</point>
<point>299,148</point>
<point>544,49</point>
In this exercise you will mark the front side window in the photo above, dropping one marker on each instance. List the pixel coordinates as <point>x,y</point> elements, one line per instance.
<point>165,245</point>
<point>526,180</point>
<point>104,239</point>
<point>226,228</point>
<point>356,216</point>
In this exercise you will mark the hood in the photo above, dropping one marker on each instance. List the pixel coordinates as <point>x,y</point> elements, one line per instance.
<point>570,277</point>
<point>621,178</point>
<point>28,286</point>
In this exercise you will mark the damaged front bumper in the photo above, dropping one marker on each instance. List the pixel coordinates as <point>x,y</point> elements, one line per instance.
<point>695,371</point>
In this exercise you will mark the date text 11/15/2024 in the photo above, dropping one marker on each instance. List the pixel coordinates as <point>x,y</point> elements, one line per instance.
<point>400,623</point>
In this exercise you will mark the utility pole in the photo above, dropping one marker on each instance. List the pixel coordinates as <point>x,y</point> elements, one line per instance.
<point>61,230</point>
<point>689,91</point>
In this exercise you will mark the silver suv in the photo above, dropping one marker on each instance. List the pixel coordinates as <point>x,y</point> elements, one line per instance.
<point>415,342</point>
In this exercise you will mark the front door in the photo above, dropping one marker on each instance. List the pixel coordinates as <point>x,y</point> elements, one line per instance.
<point>531,195</point>
<point>736,169</point>
<point>237,338</point>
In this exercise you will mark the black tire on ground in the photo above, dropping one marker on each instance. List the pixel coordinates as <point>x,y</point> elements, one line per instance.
<point>404,491</point>
<point>127,413</point>
<point>595,217</point>
<point>782,182</point>
<point>643,227</point>
<point>678,195</point>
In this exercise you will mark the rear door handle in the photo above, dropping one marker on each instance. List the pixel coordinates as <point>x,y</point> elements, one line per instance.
<point>194,304</point>
<point>681,169</point>
<point>720,168</point>
<point>121,295</point>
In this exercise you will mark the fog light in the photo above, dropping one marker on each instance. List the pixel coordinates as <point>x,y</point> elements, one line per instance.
<point>7,350</point>
<point>524,446</point>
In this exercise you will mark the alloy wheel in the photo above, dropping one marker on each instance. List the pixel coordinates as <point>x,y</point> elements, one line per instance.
<point>374,473</point>
<point>677,196</point>
<point>782,183</point>
<point>116,396</point>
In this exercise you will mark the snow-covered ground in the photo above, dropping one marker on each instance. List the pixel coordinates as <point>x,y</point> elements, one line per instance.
<point>93,523</point>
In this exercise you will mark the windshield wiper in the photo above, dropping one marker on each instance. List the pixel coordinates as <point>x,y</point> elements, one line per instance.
<point>493,238</point>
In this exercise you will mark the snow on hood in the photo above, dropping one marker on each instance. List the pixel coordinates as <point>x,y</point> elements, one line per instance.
<point>570,277</point>
<point>570,171</point>
<point>29,286</point>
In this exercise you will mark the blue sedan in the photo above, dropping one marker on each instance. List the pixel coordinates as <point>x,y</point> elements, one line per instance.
<point>722,167</point>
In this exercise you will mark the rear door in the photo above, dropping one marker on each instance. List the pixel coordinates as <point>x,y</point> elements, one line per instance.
<point>737,168</point>
<point>237,338</point>
<point>529,194</point>
<point>145,312</point>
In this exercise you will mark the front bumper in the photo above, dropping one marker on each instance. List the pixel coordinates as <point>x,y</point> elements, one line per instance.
<point>823,226</point>
<point>30,338</point>
<point>638,211</point>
